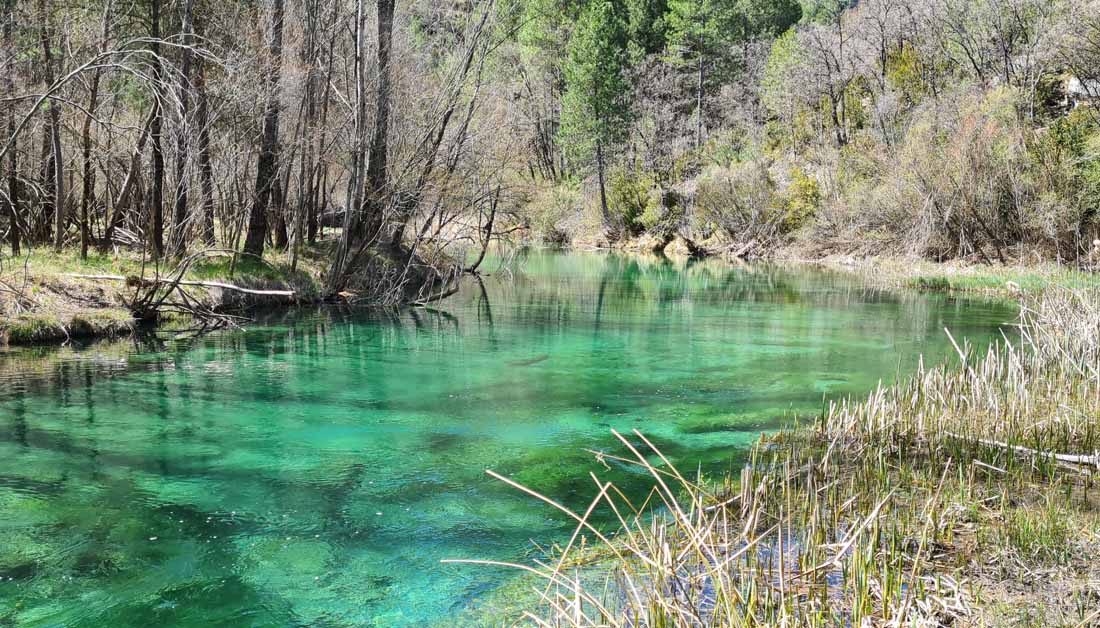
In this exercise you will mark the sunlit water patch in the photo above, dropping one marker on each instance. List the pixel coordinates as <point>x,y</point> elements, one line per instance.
<point>313,470</point>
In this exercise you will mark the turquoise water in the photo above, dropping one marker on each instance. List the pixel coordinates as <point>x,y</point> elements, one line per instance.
<point>313,470</point>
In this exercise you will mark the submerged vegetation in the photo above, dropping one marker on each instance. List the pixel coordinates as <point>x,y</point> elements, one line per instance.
<point>260,460</point>
<point>964,496</point>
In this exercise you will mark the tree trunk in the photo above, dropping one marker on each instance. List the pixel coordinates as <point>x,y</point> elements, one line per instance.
<point>155,131</point>
<point>354,195</point>
<point>179,214</point>
<point>307,200</point>
<point>54,130</point>
<point>58,177</point>
<point>267,168</point>
<point>699,102</point>
<point>379,146</point>
<point>322,180</point>
<point>13,154</point>
<point>206,169</point>
<point>280,237</point>
<point>603,189</point>
<point>87,197</point>
<point>88,191</point>
<point>122,200</point>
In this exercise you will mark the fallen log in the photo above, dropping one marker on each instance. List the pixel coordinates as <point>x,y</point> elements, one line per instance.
<point>133,280</point>
<point>1093,460</point>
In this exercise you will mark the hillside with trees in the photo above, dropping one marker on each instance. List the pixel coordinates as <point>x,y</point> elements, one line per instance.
<point>942,129</point>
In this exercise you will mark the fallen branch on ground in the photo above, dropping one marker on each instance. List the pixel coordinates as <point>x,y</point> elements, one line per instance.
<point>1093,460</point>
<point>201,284</point>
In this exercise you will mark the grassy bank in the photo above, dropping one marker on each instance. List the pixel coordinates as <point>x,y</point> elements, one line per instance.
<point>965,496</point>
<point>45,299</point>
<point>999,280</point>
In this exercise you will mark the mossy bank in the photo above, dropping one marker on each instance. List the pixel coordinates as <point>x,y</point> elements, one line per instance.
<point>50,297</point>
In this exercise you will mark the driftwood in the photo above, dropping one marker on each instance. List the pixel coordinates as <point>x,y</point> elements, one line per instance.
<point>139,281</point>
<point>1093,460</point>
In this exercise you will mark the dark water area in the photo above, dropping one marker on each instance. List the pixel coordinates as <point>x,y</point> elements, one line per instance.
<point>314,469</point>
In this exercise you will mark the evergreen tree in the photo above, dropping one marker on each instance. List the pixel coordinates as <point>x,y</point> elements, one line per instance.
<point>596,104</point>
<point>705,31</point>
<point>769,18</point>
<point>646,25</point>
<point>700,30</point>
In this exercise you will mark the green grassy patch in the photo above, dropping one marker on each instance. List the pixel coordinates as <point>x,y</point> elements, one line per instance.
<point>57,304</point>
<point>1005,279</point>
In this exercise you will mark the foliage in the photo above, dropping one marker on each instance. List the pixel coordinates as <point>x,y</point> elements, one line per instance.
<point>634,199</point>
<point>664,213</point>
<point>701,27</point>
<point>783,62</point>
<point>646,26</point>
<point>769,18</point>
<point>905,73</point>
<point>738,202</point>
<point>824,11</point>
<point>801,201</point>
<point>596,104</point>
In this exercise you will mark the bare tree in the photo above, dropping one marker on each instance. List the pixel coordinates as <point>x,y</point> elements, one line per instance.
<point>267,168</point>
<point>57,172</point>
<point>12,201</point>
<point>156,201</point>
<point>180,218</point>
<point>87,197</point>
<point>377,159</point>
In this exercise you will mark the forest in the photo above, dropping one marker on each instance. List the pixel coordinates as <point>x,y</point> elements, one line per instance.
<point>389,141</point>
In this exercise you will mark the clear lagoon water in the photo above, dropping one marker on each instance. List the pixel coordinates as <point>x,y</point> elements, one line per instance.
<point>314,469</point>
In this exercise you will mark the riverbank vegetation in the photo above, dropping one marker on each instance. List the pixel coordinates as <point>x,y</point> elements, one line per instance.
<point>948,130</point>
<point>964,496</point>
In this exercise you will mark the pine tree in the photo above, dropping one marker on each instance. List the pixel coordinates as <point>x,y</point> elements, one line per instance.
<point>596,105</point>
<point>704,31</point>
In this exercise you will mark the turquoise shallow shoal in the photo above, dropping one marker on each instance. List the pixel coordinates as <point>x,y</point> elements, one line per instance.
<point>314,469</point>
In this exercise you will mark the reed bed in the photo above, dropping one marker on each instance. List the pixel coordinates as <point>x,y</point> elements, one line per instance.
<point>963,496</point>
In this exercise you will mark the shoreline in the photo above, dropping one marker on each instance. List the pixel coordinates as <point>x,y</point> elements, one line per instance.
<point>74,308</point>
<point>55,298</point>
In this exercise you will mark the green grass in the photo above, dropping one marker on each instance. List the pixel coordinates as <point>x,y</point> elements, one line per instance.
<point>59,305</point>
<point>1009,280</point>
<point>1042,534</point>
<point>1004,279</point>
<point>50,326</point>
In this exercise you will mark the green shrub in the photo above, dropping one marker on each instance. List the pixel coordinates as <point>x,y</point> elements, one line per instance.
<point>663,214</point>
<point>800,202</point>
<point>629,196</point>
<point>906,73</point>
